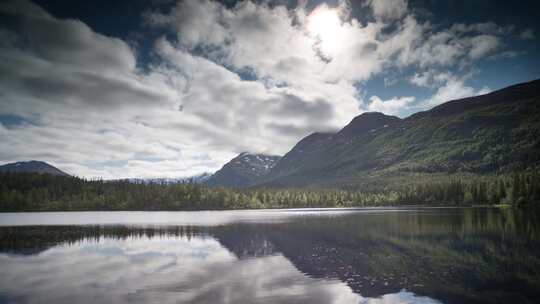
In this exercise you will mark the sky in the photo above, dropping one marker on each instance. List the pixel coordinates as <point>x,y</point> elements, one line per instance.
<point>160,88</point>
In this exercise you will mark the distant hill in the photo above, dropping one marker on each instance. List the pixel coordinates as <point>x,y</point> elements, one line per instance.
<point>196,179</point>
<point>32,166</point>
<point>488,134</point>
<point>244,170</point>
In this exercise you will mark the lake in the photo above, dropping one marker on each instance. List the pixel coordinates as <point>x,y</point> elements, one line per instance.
<point>373,255</point>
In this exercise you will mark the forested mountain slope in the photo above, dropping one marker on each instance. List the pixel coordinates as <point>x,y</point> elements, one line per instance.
<point>493,133</point>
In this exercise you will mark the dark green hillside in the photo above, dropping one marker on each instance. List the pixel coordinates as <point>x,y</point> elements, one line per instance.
<point>496,133</point>
<point>479,150</point>
<point>298,158</point>
<point>314,157</point>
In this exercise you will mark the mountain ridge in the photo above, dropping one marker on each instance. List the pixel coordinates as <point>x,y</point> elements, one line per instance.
<point>32,166</point>
<point>492,133</point>
<point>242,171</point>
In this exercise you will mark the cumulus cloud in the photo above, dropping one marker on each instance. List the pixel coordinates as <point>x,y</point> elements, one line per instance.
<point>426,46</point>
<point>234,114</point>
<point>394,106</point>
<point>488,28</point>
<point>389,9</point>
<point>446,86</point>
<point>423,79</point>
<point>451,88</point>
<point>483,45</point>
<point>194,22</point>
<point>85,97</point>
<point>94,112</point>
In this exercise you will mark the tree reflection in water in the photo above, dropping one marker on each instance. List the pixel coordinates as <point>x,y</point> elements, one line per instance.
<point>428,255</point>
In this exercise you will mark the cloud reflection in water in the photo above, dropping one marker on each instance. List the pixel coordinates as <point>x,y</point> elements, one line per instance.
<point>166,269</point>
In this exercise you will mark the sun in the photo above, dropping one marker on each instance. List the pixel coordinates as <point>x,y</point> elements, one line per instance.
<point>324,24</point>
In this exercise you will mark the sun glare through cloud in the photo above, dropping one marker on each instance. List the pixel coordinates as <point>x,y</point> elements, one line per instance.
<point>324,24</point>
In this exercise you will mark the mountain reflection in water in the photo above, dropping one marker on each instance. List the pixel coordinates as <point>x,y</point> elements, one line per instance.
<point>419,256</point>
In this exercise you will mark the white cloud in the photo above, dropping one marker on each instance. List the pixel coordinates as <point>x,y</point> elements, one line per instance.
<point>447,87</point>
<point>421,79</point>
<point>420,44</point>
<point>483,45</point>
<point>95,113</point>
<point>392,106</point>
<point>195,22</point>
<point>488,28</point>
<point>389,9</point>
<point>86,99</point>
<point>452,88</point>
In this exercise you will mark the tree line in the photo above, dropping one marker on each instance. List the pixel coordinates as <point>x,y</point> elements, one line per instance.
<point>44,192</point>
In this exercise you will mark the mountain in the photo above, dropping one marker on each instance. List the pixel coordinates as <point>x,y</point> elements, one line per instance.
<point>32,166</point>
<point>244,170</point>
<point>199,179</point>
<point>494,133</point>
<point>196,179</point>
<point>308,154</point>
<point>364,123</point>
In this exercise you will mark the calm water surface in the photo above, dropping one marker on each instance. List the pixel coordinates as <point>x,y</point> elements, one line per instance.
<point>406,255</point>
